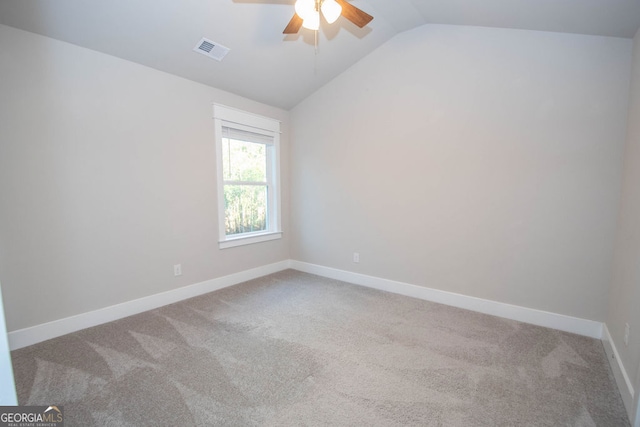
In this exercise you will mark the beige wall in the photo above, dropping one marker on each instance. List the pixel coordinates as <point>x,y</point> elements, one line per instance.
<point>480,161</point>
<point>624,302</point>
<point>107,179</point>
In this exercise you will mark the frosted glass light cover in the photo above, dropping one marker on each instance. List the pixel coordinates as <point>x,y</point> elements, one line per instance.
<point>305,8</point>
<point>312,22</point>
<point>331,10</point>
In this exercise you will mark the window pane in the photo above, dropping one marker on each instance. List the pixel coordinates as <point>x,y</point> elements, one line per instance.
<point>245,208</point>
<point>243,161</point>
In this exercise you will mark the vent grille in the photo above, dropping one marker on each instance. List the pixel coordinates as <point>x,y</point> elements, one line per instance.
<point>206,46</point>
<point>211,49</point>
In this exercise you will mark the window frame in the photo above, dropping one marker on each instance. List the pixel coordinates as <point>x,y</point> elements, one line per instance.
<point>236,119</point>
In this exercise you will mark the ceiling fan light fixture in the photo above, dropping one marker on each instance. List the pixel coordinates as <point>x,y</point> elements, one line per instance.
<point>331,10</point>
<point>312,21</point>
<point>308,14</point>
<point>305,8</point>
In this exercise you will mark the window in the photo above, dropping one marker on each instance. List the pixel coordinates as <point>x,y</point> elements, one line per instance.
<point>248,177</point>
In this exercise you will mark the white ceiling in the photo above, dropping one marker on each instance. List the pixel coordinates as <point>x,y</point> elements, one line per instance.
<point>279,70</point>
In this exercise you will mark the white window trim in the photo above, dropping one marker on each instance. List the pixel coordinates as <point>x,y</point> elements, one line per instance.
<point>230,117</point>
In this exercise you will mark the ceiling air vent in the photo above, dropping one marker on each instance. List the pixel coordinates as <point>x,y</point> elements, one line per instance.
<point>211,49</point>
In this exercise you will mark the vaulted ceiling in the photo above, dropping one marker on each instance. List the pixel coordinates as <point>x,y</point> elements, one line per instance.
<point>280,70</point>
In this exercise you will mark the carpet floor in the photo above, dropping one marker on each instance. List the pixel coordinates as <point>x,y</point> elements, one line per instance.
<point>297,349</point>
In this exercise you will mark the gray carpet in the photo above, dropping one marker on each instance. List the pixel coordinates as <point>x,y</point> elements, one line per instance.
<point>297,349</point>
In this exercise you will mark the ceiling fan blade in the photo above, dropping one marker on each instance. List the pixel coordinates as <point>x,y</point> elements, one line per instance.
<point>294,25</point>
<point>353,14</point>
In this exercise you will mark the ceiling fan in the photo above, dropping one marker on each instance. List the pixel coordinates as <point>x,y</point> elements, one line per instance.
<point>308,14</point>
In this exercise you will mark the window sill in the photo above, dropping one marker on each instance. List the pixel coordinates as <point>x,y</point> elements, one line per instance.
<point>249,240</point>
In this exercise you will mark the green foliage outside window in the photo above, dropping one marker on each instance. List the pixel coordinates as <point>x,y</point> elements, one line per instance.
<point>245,187</point>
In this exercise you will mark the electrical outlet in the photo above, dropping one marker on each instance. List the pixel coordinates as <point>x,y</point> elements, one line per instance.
<point>177,270</point>
<point>626,334</point>
<point>356,257</point>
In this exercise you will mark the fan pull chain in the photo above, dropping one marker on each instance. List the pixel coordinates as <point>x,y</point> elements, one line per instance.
<point>315,53</point>
<point>315,33</point>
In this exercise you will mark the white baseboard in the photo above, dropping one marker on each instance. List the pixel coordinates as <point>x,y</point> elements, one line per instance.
<point>24,337</point>
<point>35,334</point>
<point>622,379</point>
<point>561,322</point>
